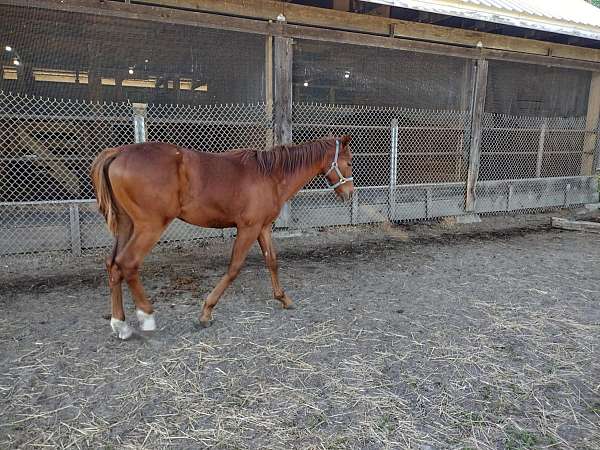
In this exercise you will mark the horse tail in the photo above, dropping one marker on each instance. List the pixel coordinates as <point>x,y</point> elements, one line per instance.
<point>104,196</point>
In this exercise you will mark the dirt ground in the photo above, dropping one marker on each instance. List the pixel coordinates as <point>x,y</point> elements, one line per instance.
<point>424,337</point>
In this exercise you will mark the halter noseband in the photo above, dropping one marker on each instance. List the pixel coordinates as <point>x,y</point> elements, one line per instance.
<point>334,166</point>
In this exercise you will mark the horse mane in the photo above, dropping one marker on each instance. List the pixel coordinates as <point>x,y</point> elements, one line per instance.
<point>286,159</point>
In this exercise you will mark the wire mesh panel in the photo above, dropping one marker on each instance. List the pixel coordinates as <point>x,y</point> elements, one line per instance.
<point>408,164</point>
<point>47,145</point>
<point>370,129</point>
<point>529,149</point>
<point>334,73</point>
<point>432,164</point>
<point>214,128</point>
<point>88,56</point>
<point>46,149</point>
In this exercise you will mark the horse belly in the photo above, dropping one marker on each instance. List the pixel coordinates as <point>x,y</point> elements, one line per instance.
<point>205,215</point>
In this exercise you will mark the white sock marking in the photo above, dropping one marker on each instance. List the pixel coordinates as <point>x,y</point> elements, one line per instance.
<point>120,327</point>
<point>146,321</point>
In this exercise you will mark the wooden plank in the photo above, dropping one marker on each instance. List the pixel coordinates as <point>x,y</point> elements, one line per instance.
<point>337,19</point>
<point>575,225</point>
<point>476,130</point>
<point>591,125</point>
<point>572,58</point>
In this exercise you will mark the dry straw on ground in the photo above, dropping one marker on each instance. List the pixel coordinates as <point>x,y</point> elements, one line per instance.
<point>480,342</point>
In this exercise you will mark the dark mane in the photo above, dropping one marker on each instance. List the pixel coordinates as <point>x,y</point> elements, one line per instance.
<point>286,159</point>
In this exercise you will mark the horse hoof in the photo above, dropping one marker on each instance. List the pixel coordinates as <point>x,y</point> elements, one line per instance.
<point>202,324</point>
<point>121,328</point>
<point>146,321</point>
<point>290,306</point>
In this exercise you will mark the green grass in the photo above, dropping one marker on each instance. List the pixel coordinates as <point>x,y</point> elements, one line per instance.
<point>517,439</point>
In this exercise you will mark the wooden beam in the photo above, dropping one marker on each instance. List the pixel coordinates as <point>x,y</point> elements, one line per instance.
<point>575,225</point>
<point>205,20</point>
<point>477,112</point>
<point>332,18</point>
<point>591,125</point>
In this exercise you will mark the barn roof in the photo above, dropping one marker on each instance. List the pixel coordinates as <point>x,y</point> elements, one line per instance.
<point>572,17</point>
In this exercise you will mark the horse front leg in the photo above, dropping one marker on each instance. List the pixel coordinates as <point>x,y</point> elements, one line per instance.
<point>265,239</point>
<point>243,242</point>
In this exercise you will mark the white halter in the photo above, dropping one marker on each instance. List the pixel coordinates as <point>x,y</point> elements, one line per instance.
<point>334,166</point>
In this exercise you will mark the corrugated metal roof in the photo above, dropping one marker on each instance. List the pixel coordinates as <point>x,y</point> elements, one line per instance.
<point>570,17</point>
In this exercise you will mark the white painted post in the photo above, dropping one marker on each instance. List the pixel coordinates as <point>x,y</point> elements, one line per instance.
<point>393,168</point>
<point>541,144</point>
<point>75,229</point>
<point>139,121</point>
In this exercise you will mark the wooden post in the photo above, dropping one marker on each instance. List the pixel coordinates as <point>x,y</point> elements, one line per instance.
<point>282,63</point>
<point>341,5</point>
<point>591,126</point>
<point>283,89</point>
<point>541,144</point>
<point>269,90</point>
<point>477,111</point>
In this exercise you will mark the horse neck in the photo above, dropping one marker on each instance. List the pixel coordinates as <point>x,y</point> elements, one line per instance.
<point>290,184</point>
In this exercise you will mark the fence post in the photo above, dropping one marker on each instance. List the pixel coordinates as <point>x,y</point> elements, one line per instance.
<point>139,121</point>
<point>269,90</point>
<point>282,106</point>
<point>477,111</point>
<point>75,229</point>
<point>541,143</point>
<point>591,126</point>
<point>393,168</point>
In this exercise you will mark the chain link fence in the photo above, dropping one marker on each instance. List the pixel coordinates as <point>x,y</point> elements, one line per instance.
<point>409,164</point>
<point>46,149</point>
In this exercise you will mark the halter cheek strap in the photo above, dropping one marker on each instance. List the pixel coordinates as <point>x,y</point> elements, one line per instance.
<point>336,168</point>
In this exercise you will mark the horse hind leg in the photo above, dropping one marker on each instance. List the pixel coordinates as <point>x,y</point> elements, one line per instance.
<point>129,261</point>
<point>115,279</point>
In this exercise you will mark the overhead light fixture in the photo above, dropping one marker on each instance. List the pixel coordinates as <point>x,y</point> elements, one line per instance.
<point>8,48</point>
<point>305,84</point>
<point>346,74</point>
<point>130,71</point>
<point>16,62</point>
<point>145,60</point>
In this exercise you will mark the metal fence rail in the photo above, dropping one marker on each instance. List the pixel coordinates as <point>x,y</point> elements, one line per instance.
<point>409,164</point>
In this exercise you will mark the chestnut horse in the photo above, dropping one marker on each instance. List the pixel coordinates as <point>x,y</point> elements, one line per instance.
<point>142,188</point>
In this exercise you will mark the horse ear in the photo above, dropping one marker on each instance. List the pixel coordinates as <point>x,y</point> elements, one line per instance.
<point>346,140</point>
